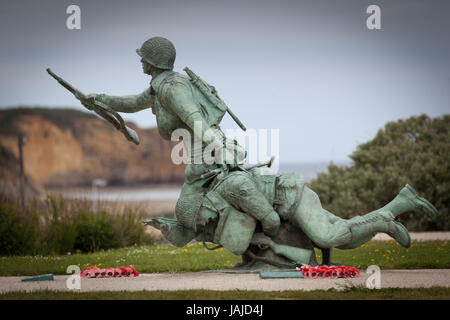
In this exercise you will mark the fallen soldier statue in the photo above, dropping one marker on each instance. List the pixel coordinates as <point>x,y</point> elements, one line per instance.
<point>273,221</point>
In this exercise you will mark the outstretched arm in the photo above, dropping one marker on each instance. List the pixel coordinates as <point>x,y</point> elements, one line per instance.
<point>128,104</point>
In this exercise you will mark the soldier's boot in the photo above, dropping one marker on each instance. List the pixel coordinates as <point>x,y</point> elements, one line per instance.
<point>408,200</point>
<point>364,228</point>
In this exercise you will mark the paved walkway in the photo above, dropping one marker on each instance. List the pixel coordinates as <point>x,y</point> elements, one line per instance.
<point>227,281</point>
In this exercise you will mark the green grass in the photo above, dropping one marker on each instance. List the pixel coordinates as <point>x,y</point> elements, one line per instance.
<point>390,255</point>
<point>146,259</point>
<point>194,257</point>
<point>353,293</point>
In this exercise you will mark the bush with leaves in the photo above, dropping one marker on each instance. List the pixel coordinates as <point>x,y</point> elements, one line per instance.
<point>414,151</point>
<point>58,226</point>
<point>14,232</point>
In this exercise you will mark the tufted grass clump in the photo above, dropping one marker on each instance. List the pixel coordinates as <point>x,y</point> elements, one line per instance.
<point>57,226</point>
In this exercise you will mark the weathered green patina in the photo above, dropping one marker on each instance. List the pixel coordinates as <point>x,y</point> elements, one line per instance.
<point>273,221</point>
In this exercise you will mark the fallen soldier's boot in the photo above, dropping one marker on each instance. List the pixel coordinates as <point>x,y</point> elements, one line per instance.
<point>409,200</point>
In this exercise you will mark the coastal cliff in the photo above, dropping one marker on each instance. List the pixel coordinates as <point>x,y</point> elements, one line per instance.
<point>68,148</point>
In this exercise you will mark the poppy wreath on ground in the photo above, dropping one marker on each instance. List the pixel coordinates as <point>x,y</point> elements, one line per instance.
<point>329,272</point>
<point>94,272</point>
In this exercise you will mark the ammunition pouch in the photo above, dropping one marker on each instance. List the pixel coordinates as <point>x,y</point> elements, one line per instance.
<point>265,183</point>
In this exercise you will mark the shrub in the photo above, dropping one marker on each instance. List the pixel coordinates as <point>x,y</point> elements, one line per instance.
<point>95,232</point>
<point>414,151</point>
<point>61,227</point>
<point>12,236</point>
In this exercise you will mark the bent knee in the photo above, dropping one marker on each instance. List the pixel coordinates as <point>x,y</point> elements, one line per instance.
<point>323,242</point>
<point>238,186</point>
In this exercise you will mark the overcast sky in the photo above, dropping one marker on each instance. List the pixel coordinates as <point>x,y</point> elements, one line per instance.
<point>311,69</point>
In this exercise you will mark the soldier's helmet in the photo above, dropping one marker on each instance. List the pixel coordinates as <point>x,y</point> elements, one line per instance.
<point>159,52</point>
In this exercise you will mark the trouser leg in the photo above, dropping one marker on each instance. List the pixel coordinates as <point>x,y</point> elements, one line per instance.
<point>327,231</point>
<point>322,227</point>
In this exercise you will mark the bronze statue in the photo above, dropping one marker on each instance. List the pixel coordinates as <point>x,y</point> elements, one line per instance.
<point>272,220</point>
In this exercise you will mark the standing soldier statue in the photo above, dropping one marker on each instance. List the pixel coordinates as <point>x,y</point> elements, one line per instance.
<point>272,220</point>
